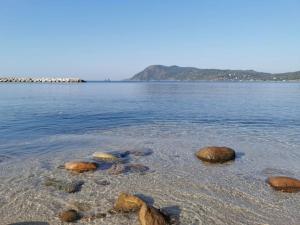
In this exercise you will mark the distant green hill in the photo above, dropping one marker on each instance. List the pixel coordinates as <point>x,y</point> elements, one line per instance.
<point>177,73</point>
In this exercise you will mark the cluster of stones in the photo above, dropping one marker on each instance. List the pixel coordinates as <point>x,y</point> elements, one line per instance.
<point>40,80</point>
<point>147,214</point>
<point>126,203</point>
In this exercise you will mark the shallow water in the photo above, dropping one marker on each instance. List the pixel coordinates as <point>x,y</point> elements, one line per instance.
<point>44,125</point>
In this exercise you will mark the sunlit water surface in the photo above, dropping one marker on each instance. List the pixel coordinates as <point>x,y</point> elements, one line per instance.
<point>42,126</point>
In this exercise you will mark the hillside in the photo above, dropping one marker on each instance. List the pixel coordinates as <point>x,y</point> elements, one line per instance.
<point>177,73</point>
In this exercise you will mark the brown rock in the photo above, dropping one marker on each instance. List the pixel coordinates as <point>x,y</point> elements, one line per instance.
<point>215,154</point>
<point>81,167</point>
<point>128,203</point>
<point>149,215</point>
<point>69,216</point>
<point>285,184</point>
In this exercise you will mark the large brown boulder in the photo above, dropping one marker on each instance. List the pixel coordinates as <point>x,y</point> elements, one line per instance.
<point>128,203</point>
<point>216,154</point>
<point>149,215</point>
<point>81,167</point>
<point>285,184</point>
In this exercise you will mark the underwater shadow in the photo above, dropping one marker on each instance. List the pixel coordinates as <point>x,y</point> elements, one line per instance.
<point>172,213</point>
<point>149,200</point>
<point>239,155</point>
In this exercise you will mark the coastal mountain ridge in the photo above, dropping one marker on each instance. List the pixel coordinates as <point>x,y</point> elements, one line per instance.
<point>177,73</point>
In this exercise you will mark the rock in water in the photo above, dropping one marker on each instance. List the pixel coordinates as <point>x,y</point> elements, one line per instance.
<point>104,156</point>
<point>285,184</point>
<point>69,187</point>
<point>81,167</point>
<point>69,216</point>
<point>137,168</point>
<point>117,169</point>
<point>149,215</point>
<point>215,154</point>
<point>128,203</point>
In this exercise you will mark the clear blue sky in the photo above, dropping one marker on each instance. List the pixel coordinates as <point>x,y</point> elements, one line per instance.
<point>116,39</point>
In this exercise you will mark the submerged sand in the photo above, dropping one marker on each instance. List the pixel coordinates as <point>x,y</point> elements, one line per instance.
<point>198,193</point>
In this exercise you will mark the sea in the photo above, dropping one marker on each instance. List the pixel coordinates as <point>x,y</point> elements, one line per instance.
<point>43,126</point>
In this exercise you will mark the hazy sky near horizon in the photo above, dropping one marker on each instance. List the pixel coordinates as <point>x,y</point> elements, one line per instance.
<point>97,39</point>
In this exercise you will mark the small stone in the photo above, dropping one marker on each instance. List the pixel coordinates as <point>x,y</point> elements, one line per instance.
<point>105,156</point>
<point>69,216</point>
<point>216,154</point>
<point>284,184</point>
<point>149,215</point>
<point>69,187</point>
<point>81,167</point>
<point>117,169</point>
<point>137,168</point>
<point>128,203</point>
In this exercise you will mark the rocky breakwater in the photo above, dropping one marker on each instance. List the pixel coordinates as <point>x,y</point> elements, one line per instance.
<point>40,80</point>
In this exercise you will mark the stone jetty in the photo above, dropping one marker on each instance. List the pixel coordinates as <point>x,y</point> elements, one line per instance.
<point>40,80</point>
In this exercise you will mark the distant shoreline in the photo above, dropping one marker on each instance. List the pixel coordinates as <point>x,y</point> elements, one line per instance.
<point>78,80</point>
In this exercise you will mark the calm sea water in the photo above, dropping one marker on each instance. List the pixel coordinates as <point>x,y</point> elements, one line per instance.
<point>44,125</point>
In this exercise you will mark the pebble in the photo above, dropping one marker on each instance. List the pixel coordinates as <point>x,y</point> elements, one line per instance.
<point>284,184</point>
<point>137,168</point>
<point>80,167</point>
<point>117,169</point>
<point>69,187</point>
<point>69,216</point>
